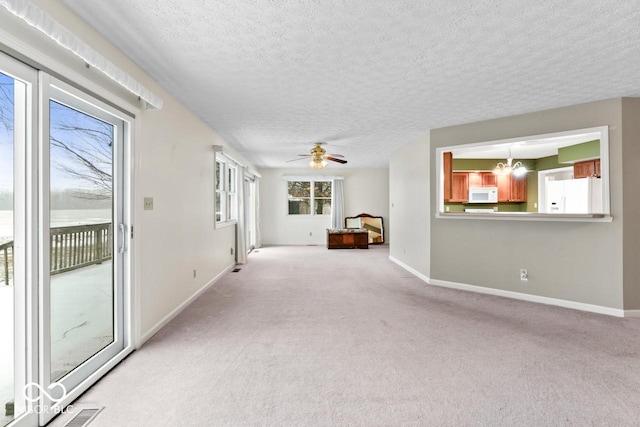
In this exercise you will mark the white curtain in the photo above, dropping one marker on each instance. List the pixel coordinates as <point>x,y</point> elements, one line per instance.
<point>40,20</point>
<point>241,226</point>
<point>337,204</point>
<point>258,216</point>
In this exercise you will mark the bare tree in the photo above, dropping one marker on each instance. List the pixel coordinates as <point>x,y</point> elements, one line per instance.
<point>84,153</point>
<point>81,152</point>
<point>6,98</point>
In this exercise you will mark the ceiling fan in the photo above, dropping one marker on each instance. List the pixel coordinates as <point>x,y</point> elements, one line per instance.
<point>319,157</point>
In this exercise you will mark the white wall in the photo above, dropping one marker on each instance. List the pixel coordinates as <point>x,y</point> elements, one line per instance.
<point>365,191</point>
<point>174,165</point>
<point>409,205</point>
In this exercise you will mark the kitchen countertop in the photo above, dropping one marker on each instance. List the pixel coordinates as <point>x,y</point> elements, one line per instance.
<point>526,216</point>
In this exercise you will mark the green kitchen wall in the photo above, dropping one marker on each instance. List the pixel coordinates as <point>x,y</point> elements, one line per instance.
<point>575,153</point>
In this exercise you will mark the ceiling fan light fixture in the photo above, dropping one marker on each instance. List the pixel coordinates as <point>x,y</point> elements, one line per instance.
<point>318,163</point>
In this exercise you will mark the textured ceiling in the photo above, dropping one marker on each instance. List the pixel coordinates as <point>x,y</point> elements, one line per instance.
<point>272,77</point>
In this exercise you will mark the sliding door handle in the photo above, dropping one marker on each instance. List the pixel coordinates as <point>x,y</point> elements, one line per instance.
<point>122,231</point>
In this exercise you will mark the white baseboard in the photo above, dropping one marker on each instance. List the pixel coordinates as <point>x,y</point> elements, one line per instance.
<point>521,296</point>
<point>410,269</point>
<point>146,336</point>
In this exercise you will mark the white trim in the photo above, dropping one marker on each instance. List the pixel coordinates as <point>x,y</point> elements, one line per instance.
<point>409,269</point>
<point>531,298</point>
<point>521,296</point>
<point>92,379</point>
<point>162,323</point>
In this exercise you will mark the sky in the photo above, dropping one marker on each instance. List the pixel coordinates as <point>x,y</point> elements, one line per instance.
<point>92,144</point>
<point>6,138</point>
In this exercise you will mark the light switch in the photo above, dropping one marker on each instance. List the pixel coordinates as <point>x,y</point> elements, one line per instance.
<point>148,203</point>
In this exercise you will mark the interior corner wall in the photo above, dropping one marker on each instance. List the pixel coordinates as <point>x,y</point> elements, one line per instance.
<point>574,261</point>
<point>365,191</point>
<point>630,181</point>
<point>409,205</point>
<point>175,166</point>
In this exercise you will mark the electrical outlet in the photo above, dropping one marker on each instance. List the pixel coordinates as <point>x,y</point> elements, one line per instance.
<point>231,251</point>
<point>310,233</point>
<point>446,208</point>
<point>524,275</point>
<point>194,274</point>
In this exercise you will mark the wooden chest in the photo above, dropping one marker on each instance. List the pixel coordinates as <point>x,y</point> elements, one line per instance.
<point>347,239</point>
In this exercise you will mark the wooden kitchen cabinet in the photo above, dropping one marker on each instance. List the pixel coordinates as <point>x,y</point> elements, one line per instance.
<point>586,169</point>
<point>482,179</point>
<point>518,189</point>
<point>459,187</point>
<point>475,179</point>
<point>511,189</point>
<point>489,179</point>
<point>504,188</point>
<point>447,166</point>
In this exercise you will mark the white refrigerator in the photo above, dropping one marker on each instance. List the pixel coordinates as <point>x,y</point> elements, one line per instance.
<point>574,196</point>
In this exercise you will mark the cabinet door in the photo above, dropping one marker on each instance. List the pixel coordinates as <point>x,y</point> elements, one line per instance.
<point>489,179</point>
<point>504,188</point>
<point>460,187</point>
<point>584,169</point>
<point>447,166</point>
<point>518,189</point>
<point>475,179</point>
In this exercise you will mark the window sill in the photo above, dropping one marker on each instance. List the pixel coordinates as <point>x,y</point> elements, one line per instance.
<point>225,224</point>
<point>526,216</point>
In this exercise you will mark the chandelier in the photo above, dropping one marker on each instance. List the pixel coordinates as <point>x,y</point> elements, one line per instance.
<point>517,169</point>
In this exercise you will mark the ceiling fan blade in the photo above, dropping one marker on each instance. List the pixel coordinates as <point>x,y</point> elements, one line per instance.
<point>305,155</point>
<point>333,159</point>
<point>335,155</point>
<point>295,160</point>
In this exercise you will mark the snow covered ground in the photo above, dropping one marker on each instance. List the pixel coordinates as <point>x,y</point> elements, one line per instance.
<point>81,323</point>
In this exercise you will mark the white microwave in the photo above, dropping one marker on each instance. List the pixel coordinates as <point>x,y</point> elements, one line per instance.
<point>483,194</point>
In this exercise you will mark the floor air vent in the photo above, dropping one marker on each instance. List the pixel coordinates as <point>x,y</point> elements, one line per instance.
<point>235,270</point>
<point>83,418</point>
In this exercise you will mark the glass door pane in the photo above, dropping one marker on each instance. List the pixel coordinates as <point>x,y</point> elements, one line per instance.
<point>81,243</point>
<point>7,283</point>
<point>16,89</point>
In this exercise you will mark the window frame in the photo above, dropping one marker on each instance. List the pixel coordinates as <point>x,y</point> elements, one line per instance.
<point>605,216</point>
<point>312,198</point>
<point>225,192</point>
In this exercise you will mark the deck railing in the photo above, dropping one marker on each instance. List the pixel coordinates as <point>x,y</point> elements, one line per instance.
<point>6,262</point>
<point>70,248</point>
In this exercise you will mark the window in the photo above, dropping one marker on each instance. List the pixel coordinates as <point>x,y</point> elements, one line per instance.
<point>309,197</point>
<point>562,176</point>
<point>226,192</point>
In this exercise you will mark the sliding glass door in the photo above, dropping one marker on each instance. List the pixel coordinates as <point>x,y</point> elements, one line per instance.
<point>82,205</point>
<point>63,242</point>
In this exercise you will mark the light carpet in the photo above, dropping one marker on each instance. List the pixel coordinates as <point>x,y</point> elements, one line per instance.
<point>305,336</point>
